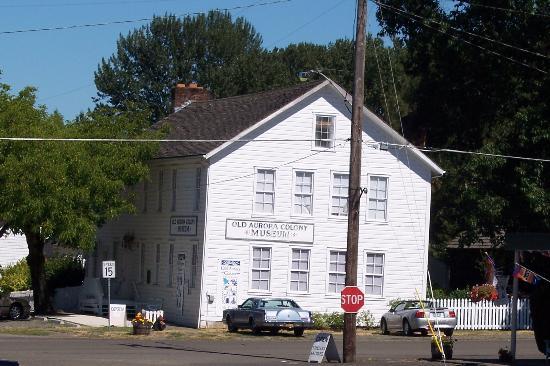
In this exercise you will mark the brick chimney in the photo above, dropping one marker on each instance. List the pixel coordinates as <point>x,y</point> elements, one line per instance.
<point>181,94</point>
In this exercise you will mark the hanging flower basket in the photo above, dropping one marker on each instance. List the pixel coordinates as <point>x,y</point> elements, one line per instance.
<point>483,292</point>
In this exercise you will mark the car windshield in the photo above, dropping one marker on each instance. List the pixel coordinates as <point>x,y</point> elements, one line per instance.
<point>277,303</point>
<point>416,304</point>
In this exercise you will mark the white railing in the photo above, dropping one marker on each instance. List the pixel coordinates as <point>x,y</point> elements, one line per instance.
<point>152,315</point>
<point>487,315</point>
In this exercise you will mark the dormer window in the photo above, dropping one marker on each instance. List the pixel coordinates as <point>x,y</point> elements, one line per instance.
<point>324,132</point>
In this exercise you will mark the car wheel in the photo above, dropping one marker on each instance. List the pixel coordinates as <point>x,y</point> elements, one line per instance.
<point>254,327</point>
<point>384,327</point>
<point>16,311</point>
<point>448,332</point>
<point>407,331</point>
<point>298,332</point>
<point>274,331</point>
<point>230,327</point>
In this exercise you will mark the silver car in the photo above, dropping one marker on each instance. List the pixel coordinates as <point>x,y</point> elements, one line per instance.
<point>271,314</point>
<point>409,316</point>
<point>14,308</point>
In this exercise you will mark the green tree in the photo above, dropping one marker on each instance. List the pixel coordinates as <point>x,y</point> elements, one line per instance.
<point>220,53</point>
<point>63,190</point>
<point>489,98</point>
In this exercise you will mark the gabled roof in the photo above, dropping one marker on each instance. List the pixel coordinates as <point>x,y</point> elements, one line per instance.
<point>221,120</point>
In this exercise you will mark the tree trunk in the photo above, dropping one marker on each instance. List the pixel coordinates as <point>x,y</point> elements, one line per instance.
<point>36,262</point>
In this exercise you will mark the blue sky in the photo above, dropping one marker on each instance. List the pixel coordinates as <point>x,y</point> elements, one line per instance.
<point>61,63</point>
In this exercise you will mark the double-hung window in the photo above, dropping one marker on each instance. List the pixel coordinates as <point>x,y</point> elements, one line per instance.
<point>299,270</point>
<point>339,205</point>
<point>324,132</point>
<point>145,195</point>
<point>174,188</point>
<point>264,200</point>
<point>303,193</point>
<point>374,274</point>
<point>336,271</point>
<point>261,268</point>
<point>160,189</point>
<point>378,198</point>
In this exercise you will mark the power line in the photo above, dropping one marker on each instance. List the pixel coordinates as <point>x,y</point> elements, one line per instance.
<point>136,20</point>
<point>508,10</point>
<point>39,5</point>
<point>371,143</point>
<point>464,31</point>
<point>464,40</point>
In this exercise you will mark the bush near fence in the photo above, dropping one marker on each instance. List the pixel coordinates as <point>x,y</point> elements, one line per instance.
<point>486,315</point>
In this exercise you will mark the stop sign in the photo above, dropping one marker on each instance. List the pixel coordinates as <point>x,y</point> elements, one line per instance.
<point>352,299</point>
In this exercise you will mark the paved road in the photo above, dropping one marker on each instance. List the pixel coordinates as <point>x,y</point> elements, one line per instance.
<point>372,350</point>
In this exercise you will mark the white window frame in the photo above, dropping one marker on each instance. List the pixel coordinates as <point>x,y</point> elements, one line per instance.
<point>157,264</point>
<point>194,263</point>
<point>314,135</point>
<point>160,186</point>
<point>255,182</point>
<point>373,274</point>
<point>198,189</point>
<point>331,195</point>
<point>171,265</point>
<point>295,193</point>
<point>291,270</point>
<point>145,195</point>
<point>369,198</point>
<point>253,269</point>
<point>329,251</point>
<point>174,189</point>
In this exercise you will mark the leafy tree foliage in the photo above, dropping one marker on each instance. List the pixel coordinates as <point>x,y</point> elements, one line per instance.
<point>221,54</point>
<point>63,190</point>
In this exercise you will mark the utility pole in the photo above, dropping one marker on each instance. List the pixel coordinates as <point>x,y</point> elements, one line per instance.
<point>354,190</point>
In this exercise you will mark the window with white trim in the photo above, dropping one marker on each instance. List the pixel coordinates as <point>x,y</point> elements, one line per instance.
<point>303,193</point>
<point>160,189</point>
<point>171,265</point>
<point>324,132</point>
<point>299,270</point>
<point>261,268</point>
<point>337,271</point>
<point>339,199</point>
<point>264,199</point>
<point>197,201</point>
<point>157,265</point>
<point>378,198</point>
<point>174,188</point>
<point>374,273</point>
<point>145,195</point>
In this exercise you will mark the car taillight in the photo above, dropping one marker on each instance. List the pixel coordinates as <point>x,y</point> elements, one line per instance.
<point>452,314</point>
<point>419,314</point>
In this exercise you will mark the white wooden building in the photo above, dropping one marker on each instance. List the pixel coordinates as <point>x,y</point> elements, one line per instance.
<point>260,208</point>
<point>12,249</point>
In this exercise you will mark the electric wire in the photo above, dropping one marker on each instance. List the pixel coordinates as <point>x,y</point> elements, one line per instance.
<point>463,31</point>
<point>504,9</point>
<point>101,24</point>
<point>381,81</point>
<point>469,42</point>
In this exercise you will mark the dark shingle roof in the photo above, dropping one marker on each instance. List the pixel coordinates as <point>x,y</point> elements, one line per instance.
<point>222,119</point>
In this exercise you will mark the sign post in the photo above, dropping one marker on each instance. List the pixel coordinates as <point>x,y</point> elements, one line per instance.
<point>108,273</point>
<point>352,299</point>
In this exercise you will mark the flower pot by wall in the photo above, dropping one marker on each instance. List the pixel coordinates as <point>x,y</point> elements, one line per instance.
<point>141,329</point>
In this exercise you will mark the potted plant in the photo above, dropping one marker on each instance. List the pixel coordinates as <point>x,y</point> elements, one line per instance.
<point>483,292</point>
<point>141,325</point>
<point>446,344</point>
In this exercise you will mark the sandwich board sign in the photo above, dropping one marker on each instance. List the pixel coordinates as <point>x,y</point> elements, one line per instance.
<point>323,347</point>
<point>117,315</point>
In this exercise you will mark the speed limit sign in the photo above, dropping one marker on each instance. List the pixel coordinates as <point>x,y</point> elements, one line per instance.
<point>108,269</point>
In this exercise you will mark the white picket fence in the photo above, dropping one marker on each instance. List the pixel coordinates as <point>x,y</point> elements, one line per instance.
<point>487,315</point>
<point>152,315</point>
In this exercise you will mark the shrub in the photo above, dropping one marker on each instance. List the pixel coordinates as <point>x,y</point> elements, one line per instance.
<point>15,277</point>
<point>64,271</point>
<point>335,320</point>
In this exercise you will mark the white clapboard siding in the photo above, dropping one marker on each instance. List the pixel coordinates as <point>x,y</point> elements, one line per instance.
<point>487,315</point>
<point>12,249</point>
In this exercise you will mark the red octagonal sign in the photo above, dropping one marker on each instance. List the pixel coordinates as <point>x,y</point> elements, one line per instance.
<point>352,299</point>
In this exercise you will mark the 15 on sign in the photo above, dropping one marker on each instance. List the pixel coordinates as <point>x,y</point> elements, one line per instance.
<point>108,269</point>
<point>352,299</point>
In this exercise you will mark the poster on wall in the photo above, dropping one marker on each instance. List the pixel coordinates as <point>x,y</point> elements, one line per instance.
<point>230,271</point>
<point>180,281</point>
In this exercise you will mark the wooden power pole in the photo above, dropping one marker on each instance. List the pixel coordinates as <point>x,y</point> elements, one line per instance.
<point>354,193</point>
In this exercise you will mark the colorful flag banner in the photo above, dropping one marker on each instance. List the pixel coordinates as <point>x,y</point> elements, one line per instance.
<point>524,274</point>
<point>490,270</point>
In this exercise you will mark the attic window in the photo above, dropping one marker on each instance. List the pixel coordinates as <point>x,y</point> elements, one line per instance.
<point>324,132</point>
